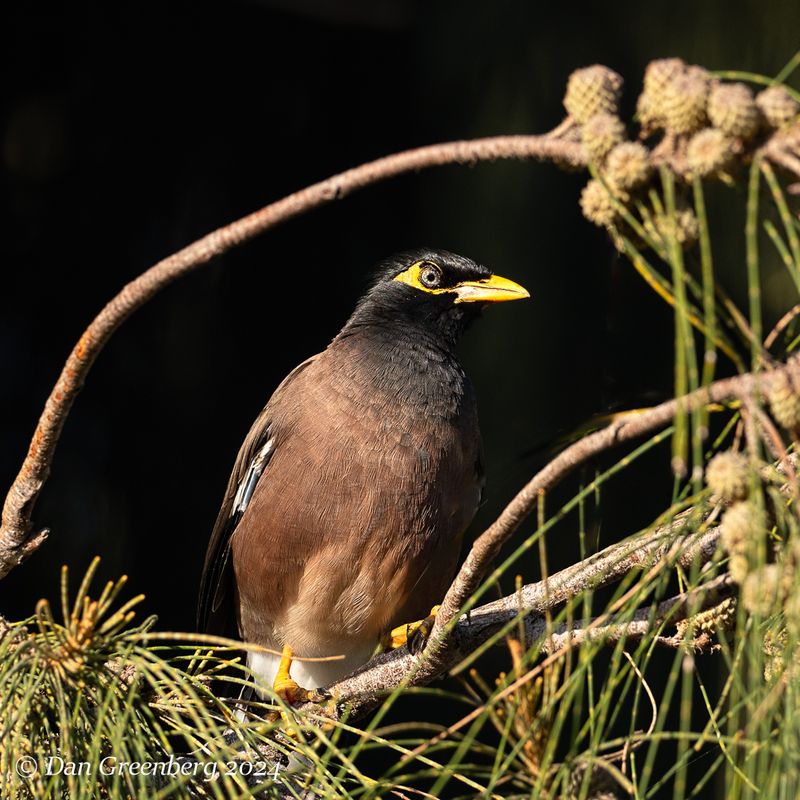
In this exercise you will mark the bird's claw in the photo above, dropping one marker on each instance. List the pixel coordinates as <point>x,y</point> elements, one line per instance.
<point>312,696</point>
<point>294,695</point>
<point>413,634</point>
<point>418,638</point>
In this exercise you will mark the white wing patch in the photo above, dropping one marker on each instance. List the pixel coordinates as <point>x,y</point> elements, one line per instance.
<point>248,483</point>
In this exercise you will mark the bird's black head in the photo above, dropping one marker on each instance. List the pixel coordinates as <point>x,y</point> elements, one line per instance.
<point>431,290</point>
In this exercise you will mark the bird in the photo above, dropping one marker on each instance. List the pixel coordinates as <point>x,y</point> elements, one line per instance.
<point>345,511</point>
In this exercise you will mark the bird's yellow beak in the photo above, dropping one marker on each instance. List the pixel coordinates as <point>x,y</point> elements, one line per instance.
<point>489,290</point>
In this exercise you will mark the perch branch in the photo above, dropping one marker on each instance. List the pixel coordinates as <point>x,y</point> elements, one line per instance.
<point>16,541</point>
<point>365,689</point>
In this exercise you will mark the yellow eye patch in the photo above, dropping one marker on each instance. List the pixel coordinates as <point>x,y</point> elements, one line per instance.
<point>411,276</point>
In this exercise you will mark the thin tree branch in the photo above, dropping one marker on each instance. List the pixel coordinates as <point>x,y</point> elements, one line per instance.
<point>16,543</point>
<point>786,159</point>
<point>641,623</point>
<point>781,325</point>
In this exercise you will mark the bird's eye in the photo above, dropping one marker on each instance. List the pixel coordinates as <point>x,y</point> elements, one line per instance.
<point>430,275</point>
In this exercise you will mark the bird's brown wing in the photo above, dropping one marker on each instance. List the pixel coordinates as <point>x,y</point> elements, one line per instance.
<point>216,603</point>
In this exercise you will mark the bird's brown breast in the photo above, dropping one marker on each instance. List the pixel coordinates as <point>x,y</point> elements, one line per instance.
<point>355,525</point>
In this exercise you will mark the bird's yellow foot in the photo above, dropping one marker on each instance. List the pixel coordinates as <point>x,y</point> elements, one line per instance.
<point>413,634</point>
<point>287,689</point>
<point>293,695</point>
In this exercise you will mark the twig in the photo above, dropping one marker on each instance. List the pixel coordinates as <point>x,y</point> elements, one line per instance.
<point>781,149</point>
<point>781,325</point>
<point>787,160</point>
<point>630,745</point>
<point>16,543</point>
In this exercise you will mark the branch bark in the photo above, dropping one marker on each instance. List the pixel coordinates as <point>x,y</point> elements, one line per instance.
<point>643,621</point>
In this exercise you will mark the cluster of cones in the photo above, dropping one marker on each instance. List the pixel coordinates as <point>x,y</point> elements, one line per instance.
<point>696,124</point>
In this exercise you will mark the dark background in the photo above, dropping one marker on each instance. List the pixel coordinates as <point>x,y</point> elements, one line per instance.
<point>129,131</point>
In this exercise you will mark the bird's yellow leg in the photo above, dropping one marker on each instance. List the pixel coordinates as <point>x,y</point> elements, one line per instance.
<point>288,690</point>
<point>411,631</point>
<point>283,685</point>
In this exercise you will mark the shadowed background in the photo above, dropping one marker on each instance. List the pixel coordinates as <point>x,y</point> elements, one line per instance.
<point>128,132</point>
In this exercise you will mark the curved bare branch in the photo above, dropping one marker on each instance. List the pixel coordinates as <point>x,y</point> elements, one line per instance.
<point>16,544</point>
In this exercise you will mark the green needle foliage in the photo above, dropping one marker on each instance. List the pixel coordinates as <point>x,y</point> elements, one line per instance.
<point>679,680</point>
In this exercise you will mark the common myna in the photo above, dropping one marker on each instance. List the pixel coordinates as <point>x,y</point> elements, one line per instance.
<point>344,514</point>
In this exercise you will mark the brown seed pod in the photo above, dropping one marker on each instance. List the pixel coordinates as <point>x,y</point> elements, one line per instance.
<point>728,476</point>
<point>601,134</point>
<point>597,205</point>
<point>650,118</point>
<point>683,226</point>
<point>732,109</point>
<point>592,90</point>
<point>720,617</point>
<point>784,403</point>
<point>778,106</point>
<point>739,567</point>
<point>685,101</point>
<point>628,166</point>
<point>660,73</point>
<point>650,105</point>
<point>761,590</point>
<point>708,152</point>
<point>687,227</point>
<point>741,523</point>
